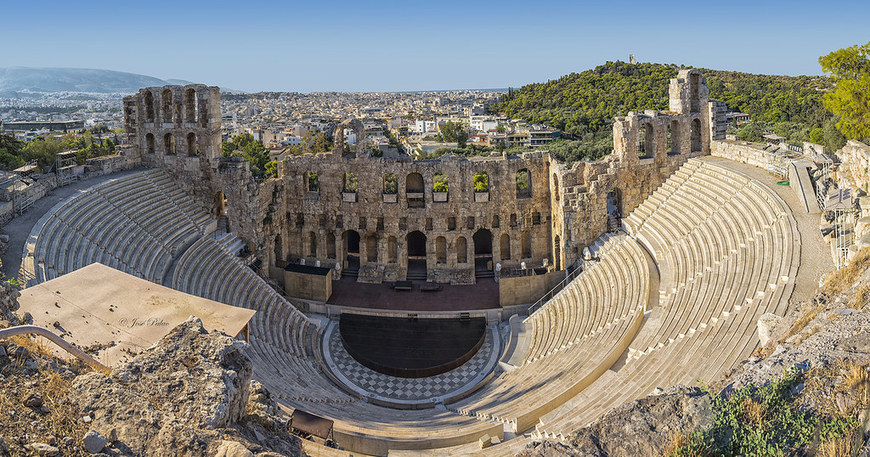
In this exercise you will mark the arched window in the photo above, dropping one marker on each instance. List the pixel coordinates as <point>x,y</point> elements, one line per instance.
<point>674,137</point>
<point>696,135</point>
<point>168,144</point>
<point>312,182</point>
<point>192,150</point>
<point>350,183</point>
<point>166,106</point>
<point>526,242</point>
<point>481,182</point>
<point>149,107</point>
<point>557,252</point>
<point>149,143</point>
<point>441,250</point>
<point>391,184</point>
<point>524,183</point>
<point>372,248</point>
<point>646,141</point>
<point>330,245</point>
<point>392,250</point>
<point>439,186</point>
<point>279,251</point>
<point>496,221</point>
<point>461,250</point>
<point>414,190</point>
<point>556,186</point>
<point>505,246</point>
<point>312,244</point>
<point>514,219</point>
<point>190,106</point>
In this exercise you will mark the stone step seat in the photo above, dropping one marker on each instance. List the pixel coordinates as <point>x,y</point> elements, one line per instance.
<point>570,313</point>
<point>520,396</point>
<point>746,249</point>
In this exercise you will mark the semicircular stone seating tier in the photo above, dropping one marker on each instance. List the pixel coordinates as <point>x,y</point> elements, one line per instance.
<point>136,224</point>
<point>728,251</point>
<point>575,337</point>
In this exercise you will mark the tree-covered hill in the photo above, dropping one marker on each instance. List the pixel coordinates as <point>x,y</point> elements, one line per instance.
<point>584,104</point>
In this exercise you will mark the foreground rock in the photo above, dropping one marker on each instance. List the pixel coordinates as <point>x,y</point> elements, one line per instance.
<point>185,396</point>
<point>642,427</point>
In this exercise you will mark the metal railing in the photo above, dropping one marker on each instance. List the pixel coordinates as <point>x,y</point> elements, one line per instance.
<point>48,334</point>
<point>555,290</point>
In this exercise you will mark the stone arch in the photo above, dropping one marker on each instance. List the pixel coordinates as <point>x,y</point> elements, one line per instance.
<point>372,248</point>
<point>414,190</point>
<point>391,183</point>
<point>439,182</point>
<point>524,183</point>
<point>149,143</point>
<point>646,141</point>
<point>192,150</point>
<point>169,144</point>
<point>166,106</point>
<point>149,106</point>
<point>312,245</point>
<point>440,250</point>
<point>696,135</point>
<point>339,139</point>
<point>190,106</point>
<point>556,186</point>
<point>312,181</point>
<point>349,182</point>
<point>674,144</point>
<point>330,245</point>
<point>461,250</point>
<point>482,242</point>
<point>350,241</point>
<point>505,247</point>
<point>392,250</point>
<point>278,251</point>
<point>613,207</point>
<point>220,205</point>
<point>481,182</point>
<point>526,244</point>
<point>416,246</point>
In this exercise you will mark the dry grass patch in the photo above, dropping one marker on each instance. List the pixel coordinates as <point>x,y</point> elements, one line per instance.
<point>856,381</point>
<point>843,278</point>
<point>845,446</point>
<point>807,317</point>
<point>860,298</point>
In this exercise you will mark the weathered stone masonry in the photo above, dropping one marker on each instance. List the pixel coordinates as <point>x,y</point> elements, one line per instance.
<point>353,219</point>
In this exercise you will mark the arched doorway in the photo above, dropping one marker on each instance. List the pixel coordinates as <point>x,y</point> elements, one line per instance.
<point>482,253</point>
<point>696,135</point>
<point>614,210</point>
<point>416,242</point>
<point>220,204</point>
<point>350,240</point>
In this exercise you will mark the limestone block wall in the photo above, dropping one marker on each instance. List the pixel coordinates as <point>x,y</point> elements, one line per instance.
<point>511,226</point>
<point>740,151</point>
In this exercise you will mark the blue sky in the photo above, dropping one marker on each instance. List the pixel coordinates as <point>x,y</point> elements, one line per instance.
<point>414,45</point>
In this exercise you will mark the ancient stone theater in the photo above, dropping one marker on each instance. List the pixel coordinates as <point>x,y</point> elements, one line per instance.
<point>461,306</point>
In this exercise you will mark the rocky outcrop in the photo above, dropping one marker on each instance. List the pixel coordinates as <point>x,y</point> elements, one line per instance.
<point>642,427</point>
<point>8,303</point>
<point>184,396</point>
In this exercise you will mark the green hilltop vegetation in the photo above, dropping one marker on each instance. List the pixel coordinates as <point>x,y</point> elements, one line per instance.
<point>584,104</point>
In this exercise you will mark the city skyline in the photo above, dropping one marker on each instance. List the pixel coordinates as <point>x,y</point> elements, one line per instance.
<point>392,46</point>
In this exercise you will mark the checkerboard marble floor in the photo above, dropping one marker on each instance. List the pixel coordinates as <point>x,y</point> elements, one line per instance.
<point>368,381</point>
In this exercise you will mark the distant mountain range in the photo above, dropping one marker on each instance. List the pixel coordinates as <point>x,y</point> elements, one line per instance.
<point>24,80</point>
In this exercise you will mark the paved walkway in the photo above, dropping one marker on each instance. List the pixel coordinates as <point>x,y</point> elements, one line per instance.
<point>19,228</point>
<point>348,292</point>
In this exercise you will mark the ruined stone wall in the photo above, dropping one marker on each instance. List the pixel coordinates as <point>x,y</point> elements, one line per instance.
<point>323,219</point>
<point>740,151</point>
<point>647,148</point>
